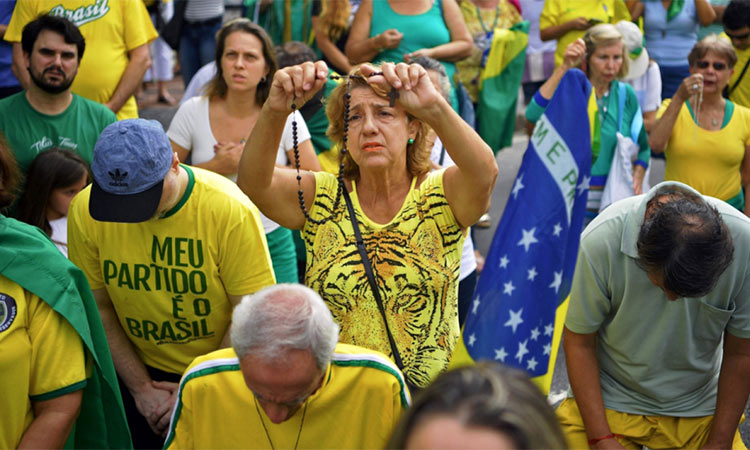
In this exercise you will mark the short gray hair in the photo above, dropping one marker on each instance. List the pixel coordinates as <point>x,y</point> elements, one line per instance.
<point>284,317</point>
<point>428,63</point>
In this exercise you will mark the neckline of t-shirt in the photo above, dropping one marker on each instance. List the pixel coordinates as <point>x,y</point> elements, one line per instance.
<point>728,114</point>
<point>410,15</point>
<point>372,223</point>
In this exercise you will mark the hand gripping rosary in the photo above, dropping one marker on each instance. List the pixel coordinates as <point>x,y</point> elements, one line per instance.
<point>392,96</point>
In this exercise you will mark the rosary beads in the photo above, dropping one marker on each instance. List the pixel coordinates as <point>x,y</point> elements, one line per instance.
<point>392,95</point>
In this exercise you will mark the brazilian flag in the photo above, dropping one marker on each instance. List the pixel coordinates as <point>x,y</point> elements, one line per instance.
<point>521,299</point>
<point>499,83</point>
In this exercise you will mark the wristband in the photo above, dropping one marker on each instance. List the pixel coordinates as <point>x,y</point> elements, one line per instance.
<point>595,440</point>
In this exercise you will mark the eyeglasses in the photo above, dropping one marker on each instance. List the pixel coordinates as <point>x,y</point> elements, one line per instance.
<point>738,37</point>
<point>705,64</point>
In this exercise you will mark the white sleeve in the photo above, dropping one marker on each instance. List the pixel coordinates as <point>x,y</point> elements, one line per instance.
<point>200,78</point>
<point>183,124</point>
<point>287,141</point>
<point>653,88</point>
<point>437,149</point>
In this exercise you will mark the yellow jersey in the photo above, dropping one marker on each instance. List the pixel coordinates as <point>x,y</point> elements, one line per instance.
<point>112,28</point>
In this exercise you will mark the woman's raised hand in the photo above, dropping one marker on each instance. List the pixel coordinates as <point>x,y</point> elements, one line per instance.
<point>296,85</point>
<point>416,93</point>
<point>574,53</point>
<point>690,86</point>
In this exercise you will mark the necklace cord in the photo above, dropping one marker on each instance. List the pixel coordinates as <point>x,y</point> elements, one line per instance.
<point>268,435</point>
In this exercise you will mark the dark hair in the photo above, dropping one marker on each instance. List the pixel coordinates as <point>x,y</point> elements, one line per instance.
<point>684,240</point>
<point>52,169</point>
<point>10,175</point>
<point>713,43</point>
<point>217,87</point>
<point>737,15</point>
<point>293,53</point>
<point>491,396</point>
<point>60,25</point>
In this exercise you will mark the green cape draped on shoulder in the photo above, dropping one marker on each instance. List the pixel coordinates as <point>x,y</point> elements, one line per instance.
<point>30,259</point>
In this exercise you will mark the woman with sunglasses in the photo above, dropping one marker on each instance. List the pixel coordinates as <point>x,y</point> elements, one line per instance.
<point>705,137</point>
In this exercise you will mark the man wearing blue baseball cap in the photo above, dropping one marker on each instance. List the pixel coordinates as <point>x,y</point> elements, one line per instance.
<point>168,250</point>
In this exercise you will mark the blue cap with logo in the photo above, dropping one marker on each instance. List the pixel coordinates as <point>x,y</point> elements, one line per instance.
<point>131,159</point>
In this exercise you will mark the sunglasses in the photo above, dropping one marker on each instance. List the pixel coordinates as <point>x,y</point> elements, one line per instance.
<point>705,64</point>
<point>738,37</point>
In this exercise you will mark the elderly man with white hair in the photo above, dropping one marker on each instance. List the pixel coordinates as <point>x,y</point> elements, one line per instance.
<point>286,383</point>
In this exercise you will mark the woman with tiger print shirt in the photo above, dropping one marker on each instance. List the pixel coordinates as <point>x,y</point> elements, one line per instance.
<point>412,221</point>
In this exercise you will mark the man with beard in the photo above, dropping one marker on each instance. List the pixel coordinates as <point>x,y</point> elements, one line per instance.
<point>47,115</point>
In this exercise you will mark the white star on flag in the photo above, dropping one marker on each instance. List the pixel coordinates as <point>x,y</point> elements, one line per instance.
<point>522,350</point>
<point>531,364</point>
<point>585,184</point>
<point>557,282</point>
<point>528,238</point>
<point>476,305</point>
<point>515,319</point>
<point>501,354</point>
<point>547,349</point>
<point>504,262</point>
<point>532,274</point>
<point>508,288</point>
<point>517,186</point>
<point>535,334</point>
<point>472,339</point>
<point>549,329</point>
<point>557,230</point>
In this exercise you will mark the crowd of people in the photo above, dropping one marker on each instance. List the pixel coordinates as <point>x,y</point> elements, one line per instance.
<point>299,238</point>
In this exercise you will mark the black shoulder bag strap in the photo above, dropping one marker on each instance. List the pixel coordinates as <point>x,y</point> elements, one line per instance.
<point>374,287</point>
<point>737,83</point>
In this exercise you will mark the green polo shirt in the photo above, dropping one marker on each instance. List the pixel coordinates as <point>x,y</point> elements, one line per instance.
<point>656,357</point>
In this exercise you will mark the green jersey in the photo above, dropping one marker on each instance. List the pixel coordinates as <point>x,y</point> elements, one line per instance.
<point>30,132</point>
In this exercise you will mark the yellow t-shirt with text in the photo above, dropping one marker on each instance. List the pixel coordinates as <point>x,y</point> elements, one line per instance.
<point>41,358</point>
<point>168,278</point>
<point>112,28</point>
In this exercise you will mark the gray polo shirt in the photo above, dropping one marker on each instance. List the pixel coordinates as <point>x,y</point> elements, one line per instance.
<point>656,357</point>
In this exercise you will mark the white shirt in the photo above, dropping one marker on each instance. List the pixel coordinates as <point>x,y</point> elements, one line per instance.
<point>60,234</point>
<point>648,88</point>
<point>468,258</point>
<point>191,129</point>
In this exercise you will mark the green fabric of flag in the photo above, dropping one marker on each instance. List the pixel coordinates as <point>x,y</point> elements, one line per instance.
<point>31,260</point>
<point>498,85</point>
